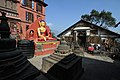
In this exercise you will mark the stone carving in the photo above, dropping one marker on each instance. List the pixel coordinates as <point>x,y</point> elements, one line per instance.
<point>63,48</point>
<point>43,32</point>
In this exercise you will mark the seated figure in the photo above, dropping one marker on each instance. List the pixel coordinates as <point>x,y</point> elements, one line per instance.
<point>44,33</point>
<point>42,30</point>
<point>31,34</point>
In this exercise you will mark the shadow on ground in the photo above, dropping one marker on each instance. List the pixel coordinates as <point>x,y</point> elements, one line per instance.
<point>66,68</point>
<point>100,70</point>
<point>93,70</point>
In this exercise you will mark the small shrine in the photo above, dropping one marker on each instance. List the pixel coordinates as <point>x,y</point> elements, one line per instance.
<point>63,64</point>
<point>40,33</point>
<point>63,48</point>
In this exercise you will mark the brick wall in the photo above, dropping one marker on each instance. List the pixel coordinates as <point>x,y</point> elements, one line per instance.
<point>22,15</point>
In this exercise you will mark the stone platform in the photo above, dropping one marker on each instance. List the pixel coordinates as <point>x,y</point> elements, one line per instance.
<point>43,48</point>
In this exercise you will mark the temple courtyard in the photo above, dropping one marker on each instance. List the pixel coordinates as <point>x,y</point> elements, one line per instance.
<point>95,67</point>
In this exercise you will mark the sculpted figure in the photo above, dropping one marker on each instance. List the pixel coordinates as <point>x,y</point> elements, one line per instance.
<point>42,31</point>
<point>39,31</point>
<point>31,34</point>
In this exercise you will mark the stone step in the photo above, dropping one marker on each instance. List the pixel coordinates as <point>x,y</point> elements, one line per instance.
<point>56,57</point>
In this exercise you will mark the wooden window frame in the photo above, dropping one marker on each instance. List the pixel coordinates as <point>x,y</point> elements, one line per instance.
<point>29,17</point>
<point>27,3</point>
<point>38,7</point>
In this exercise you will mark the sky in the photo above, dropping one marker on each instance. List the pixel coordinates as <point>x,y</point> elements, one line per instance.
<point>61,14</point>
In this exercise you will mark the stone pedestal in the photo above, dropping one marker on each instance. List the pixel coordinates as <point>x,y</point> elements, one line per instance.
<point>62,67</point>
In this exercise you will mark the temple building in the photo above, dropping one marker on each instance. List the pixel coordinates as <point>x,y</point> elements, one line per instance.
<point>21,14</point>
<point>86,33</point>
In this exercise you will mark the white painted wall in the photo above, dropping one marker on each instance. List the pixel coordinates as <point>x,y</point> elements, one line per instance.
<point>101,33</point>
<point>67,34</point>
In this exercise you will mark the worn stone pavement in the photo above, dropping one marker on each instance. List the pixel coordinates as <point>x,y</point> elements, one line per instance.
<point>102,68</point>
<point>37,61</point>
<point>95,67</point>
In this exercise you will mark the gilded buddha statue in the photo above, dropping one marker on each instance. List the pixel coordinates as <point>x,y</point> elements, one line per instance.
<point>44,33</point>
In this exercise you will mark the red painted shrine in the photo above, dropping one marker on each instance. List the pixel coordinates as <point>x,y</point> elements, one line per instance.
<point>42,36</point>
<point>39,31</point>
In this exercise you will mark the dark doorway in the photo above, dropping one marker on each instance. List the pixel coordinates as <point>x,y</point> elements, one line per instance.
<point>82,38</point>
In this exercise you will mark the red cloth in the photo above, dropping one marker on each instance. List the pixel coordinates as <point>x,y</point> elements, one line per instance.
<point>90,48</point>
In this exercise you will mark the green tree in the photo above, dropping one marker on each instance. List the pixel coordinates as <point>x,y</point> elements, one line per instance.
<point>86,17</point>
<point>94,16</point>
<point>103,18</point>
<point>53,34</point>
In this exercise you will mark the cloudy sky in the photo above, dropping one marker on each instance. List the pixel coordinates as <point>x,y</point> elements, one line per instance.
<point>61,14</point>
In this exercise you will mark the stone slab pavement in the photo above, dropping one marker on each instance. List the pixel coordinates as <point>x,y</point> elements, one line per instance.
<point>95,67</point>
<point>37,61</point>
<point>98,67</point>
<point>98,57</point>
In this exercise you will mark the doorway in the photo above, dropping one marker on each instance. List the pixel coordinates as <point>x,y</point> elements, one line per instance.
<point>82,38</point>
